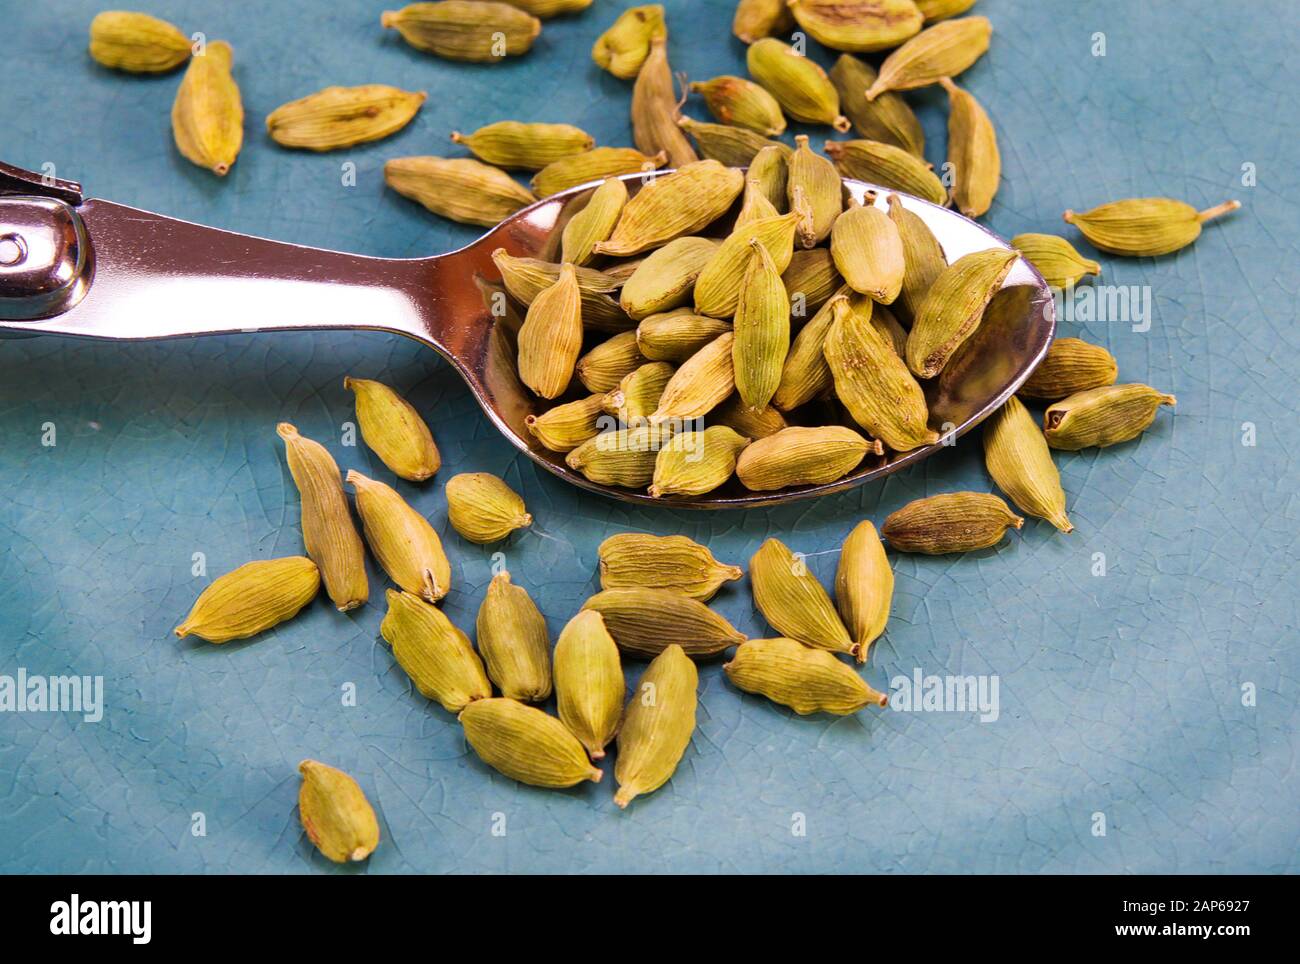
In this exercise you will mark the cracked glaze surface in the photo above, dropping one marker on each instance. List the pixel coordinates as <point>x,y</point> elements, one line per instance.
<point>1119,695</point>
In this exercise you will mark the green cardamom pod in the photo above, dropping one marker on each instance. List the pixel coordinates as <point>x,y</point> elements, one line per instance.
<point>478,31</point>
<point>805,374</point>
<point>769,169</point>
<point>693,463</point>
<point>792,600</point>
<point>336,814</point>
<point>524,146</point>
<point>719,287</point>
<point>702,382</point>
<point>483,509</point>
<point>208,114</point>
<point>868,251</point>
<point>655,110</point>
<point>1146,226</point>
<point>944,50</point>
<point>251,599</point>
<point>625,457</point>
<point>972,152</point>
<point>513,640</point>
<point>888,118</point>
<point>137,42</point>
<point>666,278</point>
<point>624,47</point>
<point>403,542</point>
<point>750,423</point>
<point>1020,463</point>
<point>526,278</point>
<point>742,103</point>
<point>631,560</point>
<point>952,522</point>
<point>458,188</point>
<point>589,687</point>
<point>954,307</point>
<point>762,329</point>
<point>1055,258</point>
<point>802,456</point>
<point>433,652</point>
<point>923,259</point>
<point>864,586</point>
<point>935,10</point>
<point>674,205</point>
<point>756,19</point>
<point>797,82</point>
<point>815,193</point>
<point>657,725</point>
<point>862,26</point>
<point>1070,366</point>
<point>551,337</point>
<point>607,364</point>
<point>565,427</point>
<point>394,430</point>
<point>811,280</point>
<point>675,336</point>
<point>637,395</point>
<point>1103,416</point>
<point>594,165</point>
<point>732,146</point>
<point>342,116</point>
<point>888,166</point>
<point>594,222</point>
<point>805,679</point>
<point>645,622</point>
<point>526,744</point>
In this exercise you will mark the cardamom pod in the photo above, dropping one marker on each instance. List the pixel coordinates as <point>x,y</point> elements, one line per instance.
<point>657,725</point>
<point>137,42</point>
<point>732,146</point>
<point>1020,463</point>
<point>565,427</point>
<point>458,188</point>
<point>754,205</point>
<point>742,103</point>
<point>655,109</point>
<point>526,278</point>
<point>403,542</point>
<point>625,457</point>
<point>394,430</point>
<point>526,744</point>
<point>750,423</point>
<point>756,19</point>
<point>888,118</point>
<point>810,280</point>
<point>944,50</point>
<point>602,368</point>
<point>888,166</point>
<point>693,463</point>
<point>792,600</point>
<point>551,338</point>
<point>589,687</point>
<point>762,329</point>
<point>483,509</point>
<point>251,599</point>
<point>872,380</point>
<point>594,222</point>
<point>594,165</point>
<point>674,205</point>
<point>862,26</point>
<point>923,259</point>
<point>815,193</point>
<point>208,115</point>
<point>887,326</point>
<point>433,652</point>
<point>513,640</point>
<point>545,9</point>
<point>797,82</point>
<point>327,529</point>
<point>935,10</point>
<point>520,146</point>
<point>805,374</point>
<point>802,456</point>
<point>622,268</point>
<point>666,278</point>
<point>675,336</point>
<point>1145,226</point>
<point>336,814</point>
<point>868,251</point>
<point>1103,416</point>
<point>954,307</point>
<point>952,522</point>
<point>342,116</point>
<point>864,586</point>
<point>972,152</point>
<point>721,285</point>
<point>624,47</point>
<point>1055,259</point>
<point>805,679</point>
<point>630,560</point>
<point>770,171</point>
<point>637,395</point>
<point>479,31</point>
<point>701,382</point>
<point>1070,366</point>
<point>645,622</point>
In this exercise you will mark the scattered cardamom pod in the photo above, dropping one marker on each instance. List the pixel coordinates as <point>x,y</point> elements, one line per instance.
<point>526,744</point>
<point>868,251</point>
<point>565,427</point>
<point>770,170</point>
<point>1020,463</point>
<point>794,602</point>
<point>327,529</point>
<point>625,457</point>
<point>594,165</point>
<point>433,652</point>
<point>693,463</point>
<point>645,622</point>
<point>524,146</point>
<point>589,687</point>
<point>815,193</point>
<point>923,259</point>
<point>864,586</point>
<point>862,26</point>
<point>756,19</point>
<point>944,50</point>
<point>802,456</point>
<point>675,336</point>
<point>403,542</point>
<point>720,286</point>
<point>888,118</point>
<point>657,725</point>
<point>137,42</point>
<point>394,430</point>
<point>483,509</point>
<point>251,599</point>
<point>810,280</point>
<point>666,278</point>
<point>888,166</point>
<point>630,560</point>
<point>677,204</point>
<point>336,814</point>
<point>594,222</point>
<point>952,522</point>
<point>1103,416</point>
<point>624,47</point>
<point>1070,366</point>
<point>732,146</point>
<point>935,10</point>
<point>750,423</point>
<point>703,381</point>
<point>208,115</point>
<point>972,152</point>
<point>458,188</point>
<point>1055,258</point>
<point>742,103</point>
<point>655,109</point>
<point>513,640</point>
<point>762,329</point>
<point>607,364</point>
<point>1145,226</point>
<point>805,679</point>
<point>637,395</point>
<point>480,31</point>
<point>551,338</point>
<point>954,307</point>
<point>797,82</point>
<point>342,116</point>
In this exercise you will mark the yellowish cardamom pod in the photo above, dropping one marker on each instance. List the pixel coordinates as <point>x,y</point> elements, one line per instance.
<point>336,814</point>
<point>252,599</point>
<point>545,9</point>
<point>433,652</point>
<point>458,188</point>
<point>394,430</point>
<point>551,337</point>
<point>888,166</point>
<point>608,363</point>
<point>791,599</point>
<point>861,26</point>
<point>674,205</point>
<point>630,560</point>
<point>593,165</point>
<point>512,638</point>
<point>888,118</point>
<point>702,382</point>
<point>526,744</point>
<point>750,423</point>
<point>645,622</point>
<point>208,115</point>
<point>625,457</point>
<point>655,109</point>
<point>1145,226</point>
<point>756,19</point>
<point>624,47</point>
<point>657,726</point>
<point>1071,366</point>
<point>342,116</point>
<point>802,456</point>
<point>762,329</point>
<point>594,222</point>
<point>935,10</point>
<point>720,285</point>
<point>637,395</point>
<point>526,278</point>
<point>887,326</point>
<point>805,679</point>
<point>742,103</point>
<point>923,258</point>
<point>137,42</point>
<point>666,278</point>
<point>732,146</point>
<point>815,193</point>
<point>1103,416</point>
<point>806,375</point>
<point>972,152</point>
<point>944,50</point>
<point>953,522</point>
<point>530,147</point>
<point>327,529</point>
<point>402,540</point>
<point>1018,459</point>
<point>954,307</point>
<point>797,82</point>
<point>810,280</point>
<point>484,509</point>
<point>868,252</point>
<point>1055,258</point>
<point>565,427</point>
<point>589,687</point>
<point>770,169</point>
<point>479,31</point>
<point>675,336</point>
<point>864,586</point>
<point>693,463</point>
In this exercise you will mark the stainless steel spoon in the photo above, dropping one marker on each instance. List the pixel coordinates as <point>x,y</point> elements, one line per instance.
<point>76,266</point>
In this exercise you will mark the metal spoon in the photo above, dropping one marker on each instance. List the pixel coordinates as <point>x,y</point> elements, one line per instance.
<point>86,267</point>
